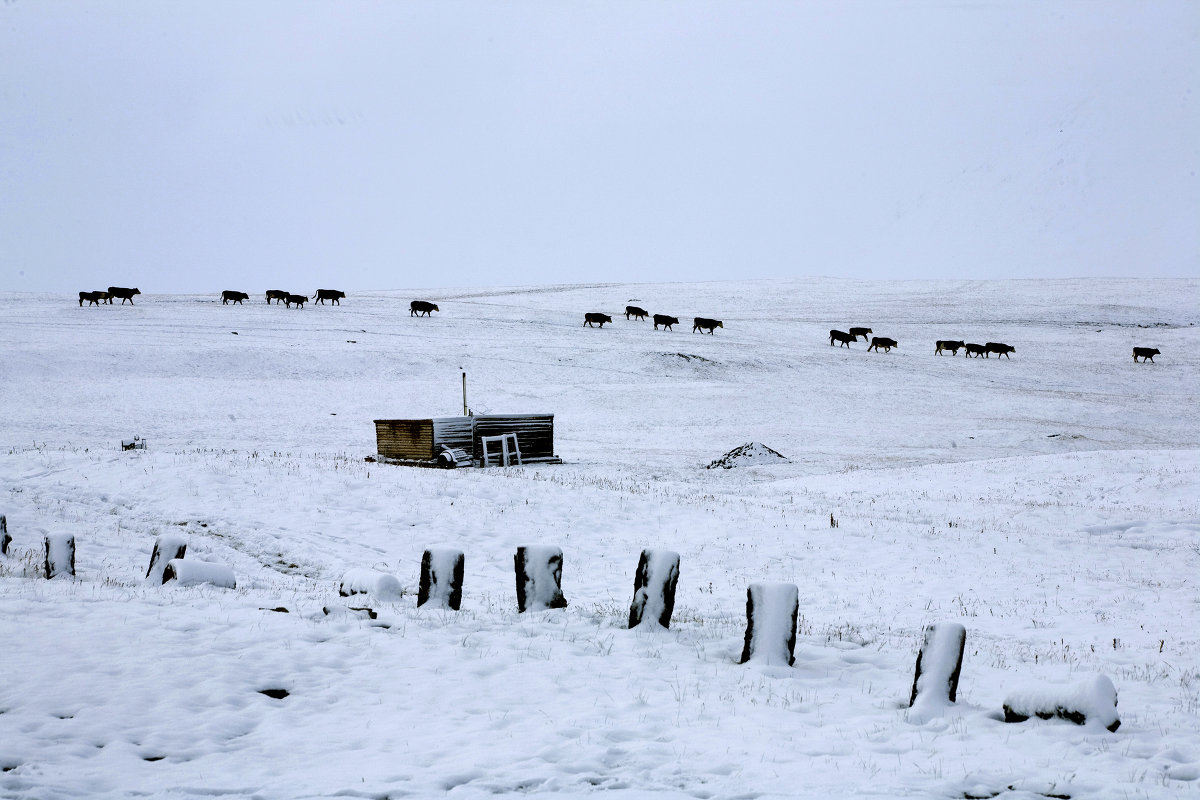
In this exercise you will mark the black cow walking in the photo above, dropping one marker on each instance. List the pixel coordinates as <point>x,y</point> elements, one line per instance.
<point>842,337</point>
<point>884,342</point>
<point>634,311</point>
<point>93,298</point>
<point>953,347</point>
<point>279,295</point>
<point>703,324</point>
<point>297,299</point>
<point>418,307</point>
<point>595,316</point>
<point>1147,353</point>
<point>123,293</point>
<point>228,297</point>
<point>975,350</point>
<point>332,295</point>
<point>665,321</point>
<point>863,332</point>
<point>999,348</point>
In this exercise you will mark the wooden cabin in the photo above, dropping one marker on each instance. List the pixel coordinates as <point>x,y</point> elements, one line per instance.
<point>458,441</point>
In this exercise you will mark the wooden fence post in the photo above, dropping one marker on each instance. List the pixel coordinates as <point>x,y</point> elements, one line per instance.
<point>168,546</point>
<point>60,555</point>
<point>654,588</point>
<point>539,578</point>
<point>441,578</point>
<point>939,663</point>
<point>771,613</point>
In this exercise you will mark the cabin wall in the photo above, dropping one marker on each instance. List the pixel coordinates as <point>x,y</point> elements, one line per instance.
<point>405,438</point>
<point>535,433</point>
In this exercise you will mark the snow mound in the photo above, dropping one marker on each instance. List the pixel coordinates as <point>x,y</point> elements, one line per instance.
<point>748,455</point>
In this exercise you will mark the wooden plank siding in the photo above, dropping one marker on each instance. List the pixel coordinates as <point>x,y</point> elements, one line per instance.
<point>405,438</point>
<point>535,433</point>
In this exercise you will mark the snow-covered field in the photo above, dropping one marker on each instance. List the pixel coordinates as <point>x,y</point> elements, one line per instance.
<point>1050,503</point>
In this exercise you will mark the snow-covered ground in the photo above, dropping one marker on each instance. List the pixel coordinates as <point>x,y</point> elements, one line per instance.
<point>1049,502</point>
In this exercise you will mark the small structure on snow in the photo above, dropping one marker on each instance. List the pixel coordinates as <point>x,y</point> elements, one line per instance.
<point>379,585</point>
<point>5,539</point>
<point>473,440</point>
<point>748,455</point>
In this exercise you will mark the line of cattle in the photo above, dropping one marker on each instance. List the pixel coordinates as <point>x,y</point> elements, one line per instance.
<point>597,319</point>
<point>972,350</point>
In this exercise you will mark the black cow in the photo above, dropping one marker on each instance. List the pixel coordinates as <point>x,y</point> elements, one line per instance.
<point>298,299</point>
<point>596,316</point>
<point>332,295</point>
<point>975,350</point>
<point>999,348</point>
<point>278,295</point>
<point>228,296</point>
<point>841,336</point>
<point>418,307</point>
<point>953,347</point>
<point>123,293</point>
<point>93,298</point>
<point>703,324</point>
<point>863,332</point>
<point>634,311</point>
<point>884,342</point>
<point>1147,353</point>
<point>665,321</point>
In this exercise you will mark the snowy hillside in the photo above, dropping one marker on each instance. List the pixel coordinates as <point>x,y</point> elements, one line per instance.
<point>1049,502</point>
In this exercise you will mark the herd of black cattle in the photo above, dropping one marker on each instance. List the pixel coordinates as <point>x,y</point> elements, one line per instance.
<point>597,319</point>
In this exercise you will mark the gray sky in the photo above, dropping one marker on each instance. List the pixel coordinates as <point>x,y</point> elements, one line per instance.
<point>200,146</point>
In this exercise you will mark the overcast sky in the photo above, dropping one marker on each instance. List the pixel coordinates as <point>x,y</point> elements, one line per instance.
<point>200,146</point>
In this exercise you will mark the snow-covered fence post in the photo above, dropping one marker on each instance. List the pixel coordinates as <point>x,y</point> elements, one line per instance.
<point>379,585</point>
<point>190,573</point>
<point>1093,701</point>
<point>771,613</point>
<point>654,588</point>
<point>939,663</point>
<point>5,539</point>
<point>441,578</point>
<point>539,578</point>
<point>167,547</point>
<point>60,555</point>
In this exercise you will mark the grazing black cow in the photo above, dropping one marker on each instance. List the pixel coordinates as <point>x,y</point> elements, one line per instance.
<point>975,350</point>
<point>841,336</point>
<point>233,297</point>
<point>298,299</point>
<point>999,348</point>
<point>665,321</point>
<point>1147,353</point>
<point>123,293</point>
<point>279,295</point>
<point>953,347</point>
<point>332,295</point>
<point>857,332</point>
<point>884,342</point>
<point>596,316</point>
<point>93,298</point>
<point>418,307</point>
<point>703,324</point>
<point>634,311</point>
